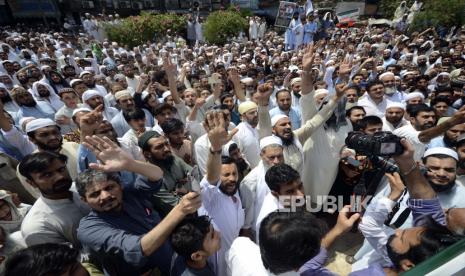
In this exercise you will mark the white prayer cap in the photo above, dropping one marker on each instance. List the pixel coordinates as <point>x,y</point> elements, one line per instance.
<point>293,68</point>
<point>247,80</point>
<point>404,74</point>
<point>270,140</point>
<point>386,74</point>
<point>276,118</point>
<point>395,105</point>
<point>72,82</point>
<point>165,95</point>
<point>90,94</point>
<point>442,151</point>
<point>119,77</point>
<point>414,95</point>
<point>246,106</point>
<point>81,109</point>
<point>89,69</point>
<point>121,94</point>
<point>84,73</point>
<point>329,63</point>
<point>243,66</point>
<point>295,80</point>
<point>39,123</point>
<point>443,74</point>
<point>320,91</point>
<point>24,121</point>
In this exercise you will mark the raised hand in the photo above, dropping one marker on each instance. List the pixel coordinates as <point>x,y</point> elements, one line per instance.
<point>234,77</point>
<point>91,121</point>
<point>396,184</point>
<point>308,58</point>
<point>345,68</point>
<point>341,90</point>
<point>170,68</point>
<point>113,158</point>
<point>264,92</point>
<point>218,130</point>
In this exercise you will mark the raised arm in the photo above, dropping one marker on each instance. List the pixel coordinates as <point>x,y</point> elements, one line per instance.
<point>307,74</point>
<point>321,117</point>
<point>236,81</point>
<point>171,72</point>
<point>218,136</point>
<point>416,183</point>
<point>458,118</point>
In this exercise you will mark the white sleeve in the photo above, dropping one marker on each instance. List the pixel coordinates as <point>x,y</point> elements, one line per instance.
<point>19,141</point>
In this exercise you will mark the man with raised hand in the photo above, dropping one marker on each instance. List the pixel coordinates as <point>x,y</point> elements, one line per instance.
<point>123,230</point>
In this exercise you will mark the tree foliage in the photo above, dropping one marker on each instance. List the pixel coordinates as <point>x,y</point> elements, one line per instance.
<point>434,13</point>
<point>444,13</point>
<point>137,30</point>
<point>223,24</point>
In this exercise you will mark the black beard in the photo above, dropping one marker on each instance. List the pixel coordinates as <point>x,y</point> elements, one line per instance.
<point>45,147</point>
<point>44,94</point>
<point>5,99</point>
<point>442,188</point>
<point>287,141</point>
<point>31,104</point>
<point>227,193</point>
<point>92,85</point>
<point>449,142</point>
<point>461,164</point>
<point>166,163</point>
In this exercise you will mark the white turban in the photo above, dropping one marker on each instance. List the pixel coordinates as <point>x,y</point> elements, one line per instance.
<point>443,151</point>
<point>414,95</point>
<point>39,123</point>
<point>90,94</point>
<point>276,118</point>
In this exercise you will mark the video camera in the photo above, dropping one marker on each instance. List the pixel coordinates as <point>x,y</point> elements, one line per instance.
<point>383,143</point>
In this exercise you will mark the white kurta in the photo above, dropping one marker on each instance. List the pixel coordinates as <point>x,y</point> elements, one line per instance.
<point>248,138</point>
<point>270,204</point>
<point>253,29</point>
<point>387,126</point>
<point>227,216</point>
<point>371,108</point>
<point>54,221</point>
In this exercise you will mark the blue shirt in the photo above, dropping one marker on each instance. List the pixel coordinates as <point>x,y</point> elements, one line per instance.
<point>85,157</point>
<point>41,110</point>
<point>115,237</point>
<point>121,126</point>
<point>294,116</point>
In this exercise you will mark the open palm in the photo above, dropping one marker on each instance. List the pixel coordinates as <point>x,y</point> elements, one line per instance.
<point>113,158</point>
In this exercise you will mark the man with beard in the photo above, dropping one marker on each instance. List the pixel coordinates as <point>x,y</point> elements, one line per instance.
<point>42,135</point>
<point>69,72</point>
<point>93,99</point>
<point>422,234</point>
<point>55,215</point>
<point>28,107</point>
<point>89,80</point>
<point>45,93</point>
<point>8,104</point>
<point>253,187</point>
<point>423,128</point>
<point>126,103</point>
<point>131,79</point>
<point>292,140</point>
<point>449,139</point>
<point>284,102</point>
<point>394,117</point>
<point>156,150</point>
<point>220,197</point>
<point>422,64</point>
<point>387,58</point>
<point>126,233</point>
<point>390,89</point>
<point>375,101</point>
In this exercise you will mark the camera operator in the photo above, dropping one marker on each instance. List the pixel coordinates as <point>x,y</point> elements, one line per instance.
<point>423,128</point>
<point>440,172</point>
<point>402,249</point>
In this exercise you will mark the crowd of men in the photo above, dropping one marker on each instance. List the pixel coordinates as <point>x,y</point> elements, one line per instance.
<point>176,160</point>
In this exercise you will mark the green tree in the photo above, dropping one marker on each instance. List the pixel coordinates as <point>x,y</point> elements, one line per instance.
<point>136,30</point>
<point>445,13</point>
<point>223,24</point>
